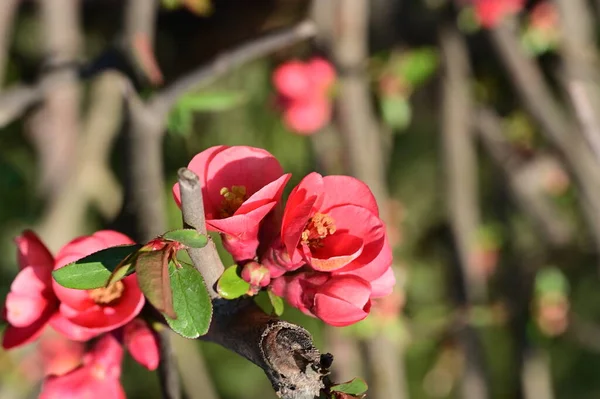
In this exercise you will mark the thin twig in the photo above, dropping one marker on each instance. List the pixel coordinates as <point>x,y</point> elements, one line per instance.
<point>461,169</point>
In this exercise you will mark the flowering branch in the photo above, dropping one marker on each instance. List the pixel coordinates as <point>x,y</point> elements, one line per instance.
<point>283,350</point>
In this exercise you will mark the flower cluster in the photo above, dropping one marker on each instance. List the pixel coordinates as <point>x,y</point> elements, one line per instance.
<point>489,13</point>
<point>106,317</point>
<point>303,90</point>
<point>326,252</point>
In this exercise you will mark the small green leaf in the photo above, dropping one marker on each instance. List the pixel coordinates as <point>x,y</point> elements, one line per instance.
<point>190,301</point>
<point>277,303</point>
<point>93,271</point>
<point>124,269</point>
<point>396,111</point>
<point>211,101</point>
<point>416,66</point>
<point>153,278</point>
<point>188,237</point>
<point>356,386</point>
<point>231,285</point>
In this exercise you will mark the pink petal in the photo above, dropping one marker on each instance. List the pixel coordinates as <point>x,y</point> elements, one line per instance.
<point>32,252</point>
<point>198,165</point>
<point>269,193</point>
<point>347,288</point>
<point>374,269</point>
<point>347,190</point>
<point>142,343</point>
<point>30,281</point>
<point>245,166</point>
<point>87,245</point>
<point>71,330</point>
<point>384,285</point>
<point>108,354</point>
<point>337,312</point>
<point>22,310</point>
<point>17,336</point>
<point>125,309</point>
<point>338,250</point>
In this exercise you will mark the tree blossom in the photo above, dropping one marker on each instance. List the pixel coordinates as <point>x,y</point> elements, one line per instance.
<point>84,314</point>
<point>333,255</point>
<point>97,377</point>
<point>304,93</point>
<point>240,186</point>
<point>142,343</point>
<point>31,301</point>
<point>489,13</point>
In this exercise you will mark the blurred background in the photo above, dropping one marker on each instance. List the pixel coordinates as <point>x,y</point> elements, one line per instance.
<point>475,123</point>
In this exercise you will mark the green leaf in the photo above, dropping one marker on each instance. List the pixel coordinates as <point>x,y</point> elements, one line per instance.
<point>418,65</point>
<point>93,271</point>
<point>188,237</point>
<point>211,101</point>
<point>231,285</point>
<point>153,278</point>
<point>356,386</point>
<point>277,303</point>
<point>396,111</point>
<point>124,269</point>
<point>191,302</point>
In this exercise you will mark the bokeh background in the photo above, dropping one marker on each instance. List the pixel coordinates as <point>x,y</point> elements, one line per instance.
<point>475,122</point>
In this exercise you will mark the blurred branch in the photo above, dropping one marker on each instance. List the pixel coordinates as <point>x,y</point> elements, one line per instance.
<point>8,10</point>
<point>345,31</point>
<point>227,61</point>
<point>283,350</point>
<point>91,178</point>
<point>138,37</point>
<point>524,180</point>
<point>461,170</point>
<point>55,126</point>
<point>540,102</point>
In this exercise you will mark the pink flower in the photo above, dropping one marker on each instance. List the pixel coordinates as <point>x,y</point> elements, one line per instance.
<point>31,302</point>
<point>84,314</point>
<point>59,355</point>
<point>307,116</point>
<point>240,186</point>
<point>98,376</point>
<point>304,94</point>
<point>337,300</point>
<point>142,343</point>
<point>332,224</point>
<point>491,12</point>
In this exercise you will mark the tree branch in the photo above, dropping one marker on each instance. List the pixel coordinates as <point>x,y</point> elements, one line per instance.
<point>8,10</point>
<point>283,350</point>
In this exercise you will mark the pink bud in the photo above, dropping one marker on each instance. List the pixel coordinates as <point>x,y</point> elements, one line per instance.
<point>256,274</point>
<point>343,300</point>
<point>142,343</point>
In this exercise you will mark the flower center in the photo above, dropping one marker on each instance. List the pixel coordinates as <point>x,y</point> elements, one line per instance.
<point>232,200</point>
<point>107,295</point>
<point>318,227</point>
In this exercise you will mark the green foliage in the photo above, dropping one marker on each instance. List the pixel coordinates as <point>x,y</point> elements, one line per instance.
<point>277,302</point>
<point>188,237</point>
<point>95,270</point>
<point>418,65</point>
<point>191,302</point>
<point>231,285</point>
<point>396,111</point>
<point>181,117</point>
<point>356,386</point>
<point>551,281</point>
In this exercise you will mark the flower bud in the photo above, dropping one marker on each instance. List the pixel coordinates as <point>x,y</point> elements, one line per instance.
<point>256,274</point>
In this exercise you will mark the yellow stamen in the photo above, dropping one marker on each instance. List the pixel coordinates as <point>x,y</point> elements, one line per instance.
<point>317,228</point>
<point>107,295</point>
<point>232,200</point>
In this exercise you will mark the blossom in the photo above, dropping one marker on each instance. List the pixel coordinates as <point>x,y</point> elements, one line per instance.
<point>333,255</point>
<point>337,300</point>
<point>84,314</point>
<point>97,377</point>
<point>304,93</point>
<point>240,186</point>
<point>490,12</point>
<point>31,301</point>
<point>142,343</point>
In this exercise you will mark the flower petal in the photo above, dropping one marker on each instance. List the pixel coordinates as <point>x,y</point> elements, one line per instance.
<point>17,336</point>
<point>142,343</point>
<point>337,312</point>
<point>337,251</point>
<point>22,310</point>
<point>347,190</point>
<point>31,251</point>
<point>384,285</point>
